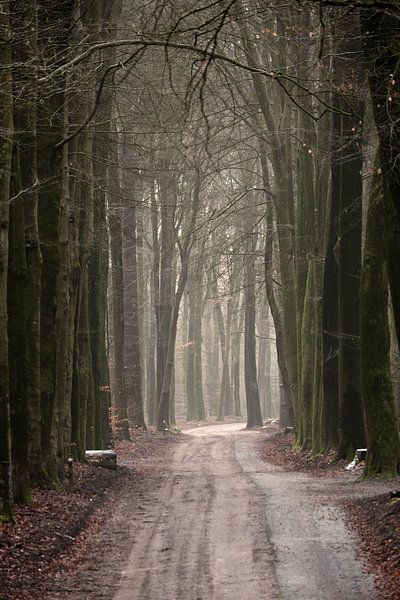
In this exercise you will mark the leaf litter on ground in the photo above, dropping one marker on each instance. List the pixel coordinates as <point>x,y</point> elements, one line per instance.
<point>50,537</point>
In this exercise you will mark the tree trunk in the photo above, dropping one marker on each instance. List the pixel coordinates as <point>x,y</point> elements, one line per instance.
<point>17,265</point>
<point>216,363</point>
<point>53,31</point>
<point>151,352</point>
<point>264,369</point>
<point>305,235</point>
<point>132,350</point>
<point>351,420</point>
<point>280,156</point>
<point>153,361</point>
<point>17,344</point>
<point>163,415</point>
<point>254,418</point>
<point>304,438</point>
<point>330,330</point>
<point>194,379</point>
<point>287,400</point>
<point>24,20</point>
<point>380,38</point>
<point>107,14</point>
<point>208,329</point>
<point>6,133</point>
<point>198,342</point>
<point>141,292</point>
<point>166,286</point>
<point>383,457</point>
<point>82,372</point>
<point>190,373</point>
<point>220,326</point>
<point>236,350</point>
<point>115,226</point>
<point>168,279</point>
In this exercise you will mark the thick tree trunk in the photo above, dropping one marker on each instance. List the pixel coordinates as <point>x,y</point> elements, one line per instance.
<point>83,429</point>
<point>394,359</point>
<point>381,43</point>
<point>254,417</point>
<point>306,374</point>
<point>64,321</point>
<point>226,397</point>
<point>49,225</point>
<point>24,147</point>
<point>383,457</point>
<point>392,257</point>
<point>82,373</point>
<point>208,335</point>
<point>171,401</point>
<point>152,400</point>
<point>163,415</point>
<point>219,325</point>
<point>132,349</point>
<point>216,363</point>
<point>98,277</point>
<point>115,227</point>
<point>107,14</point>
<point>349,182</point>
<point>287,400</point>
<point>17,338</point>
<point>330,332</point>
<point>317,445</point>
<point>141,295</point>
<point>236,353</point>
<point>190,354</point>
<point>304,268</point>
<point>53,31</point>
<point>166,285</point>
<point>198,342</point>
<point>24,49</point>
<point>84,418</point>
<point>6,133</point>
<point>262,368</point>
<point>151,353</point>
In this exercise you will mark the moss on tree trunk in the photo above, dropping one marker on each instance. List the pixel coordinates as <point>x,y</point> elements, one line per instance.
<point>383,436</point>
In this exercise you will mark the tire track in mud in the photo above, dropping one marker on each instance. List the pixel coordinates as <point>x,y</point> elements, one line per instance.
<point>207,545</point>
<point>316,552</point>
<point>214,522</point>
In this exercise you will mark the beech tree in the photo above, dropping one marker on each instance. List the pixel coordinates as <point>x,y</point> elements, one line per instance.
<point>6,116</point>
<point>383,434</point>
<point>176,141</point>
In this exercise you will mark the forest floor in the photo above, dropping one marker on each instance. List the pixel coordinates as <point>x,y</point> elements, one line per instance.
<point>75,543</point>
<point>52,536</point>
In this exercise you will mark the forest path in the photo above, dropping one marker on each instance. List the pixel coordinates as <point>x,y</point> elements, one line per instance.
<point>231,526</point>
<point>208,541</point>
<point>212,521</point>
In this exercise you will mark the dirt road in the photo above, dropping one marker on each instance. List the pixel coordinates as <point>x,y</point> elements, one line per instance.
<point>209,541</point>
<point>222,524</point>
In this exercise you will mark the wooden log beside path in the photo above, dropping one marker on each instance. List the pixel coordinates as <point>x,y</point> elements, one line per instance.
<point>102,458</point>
